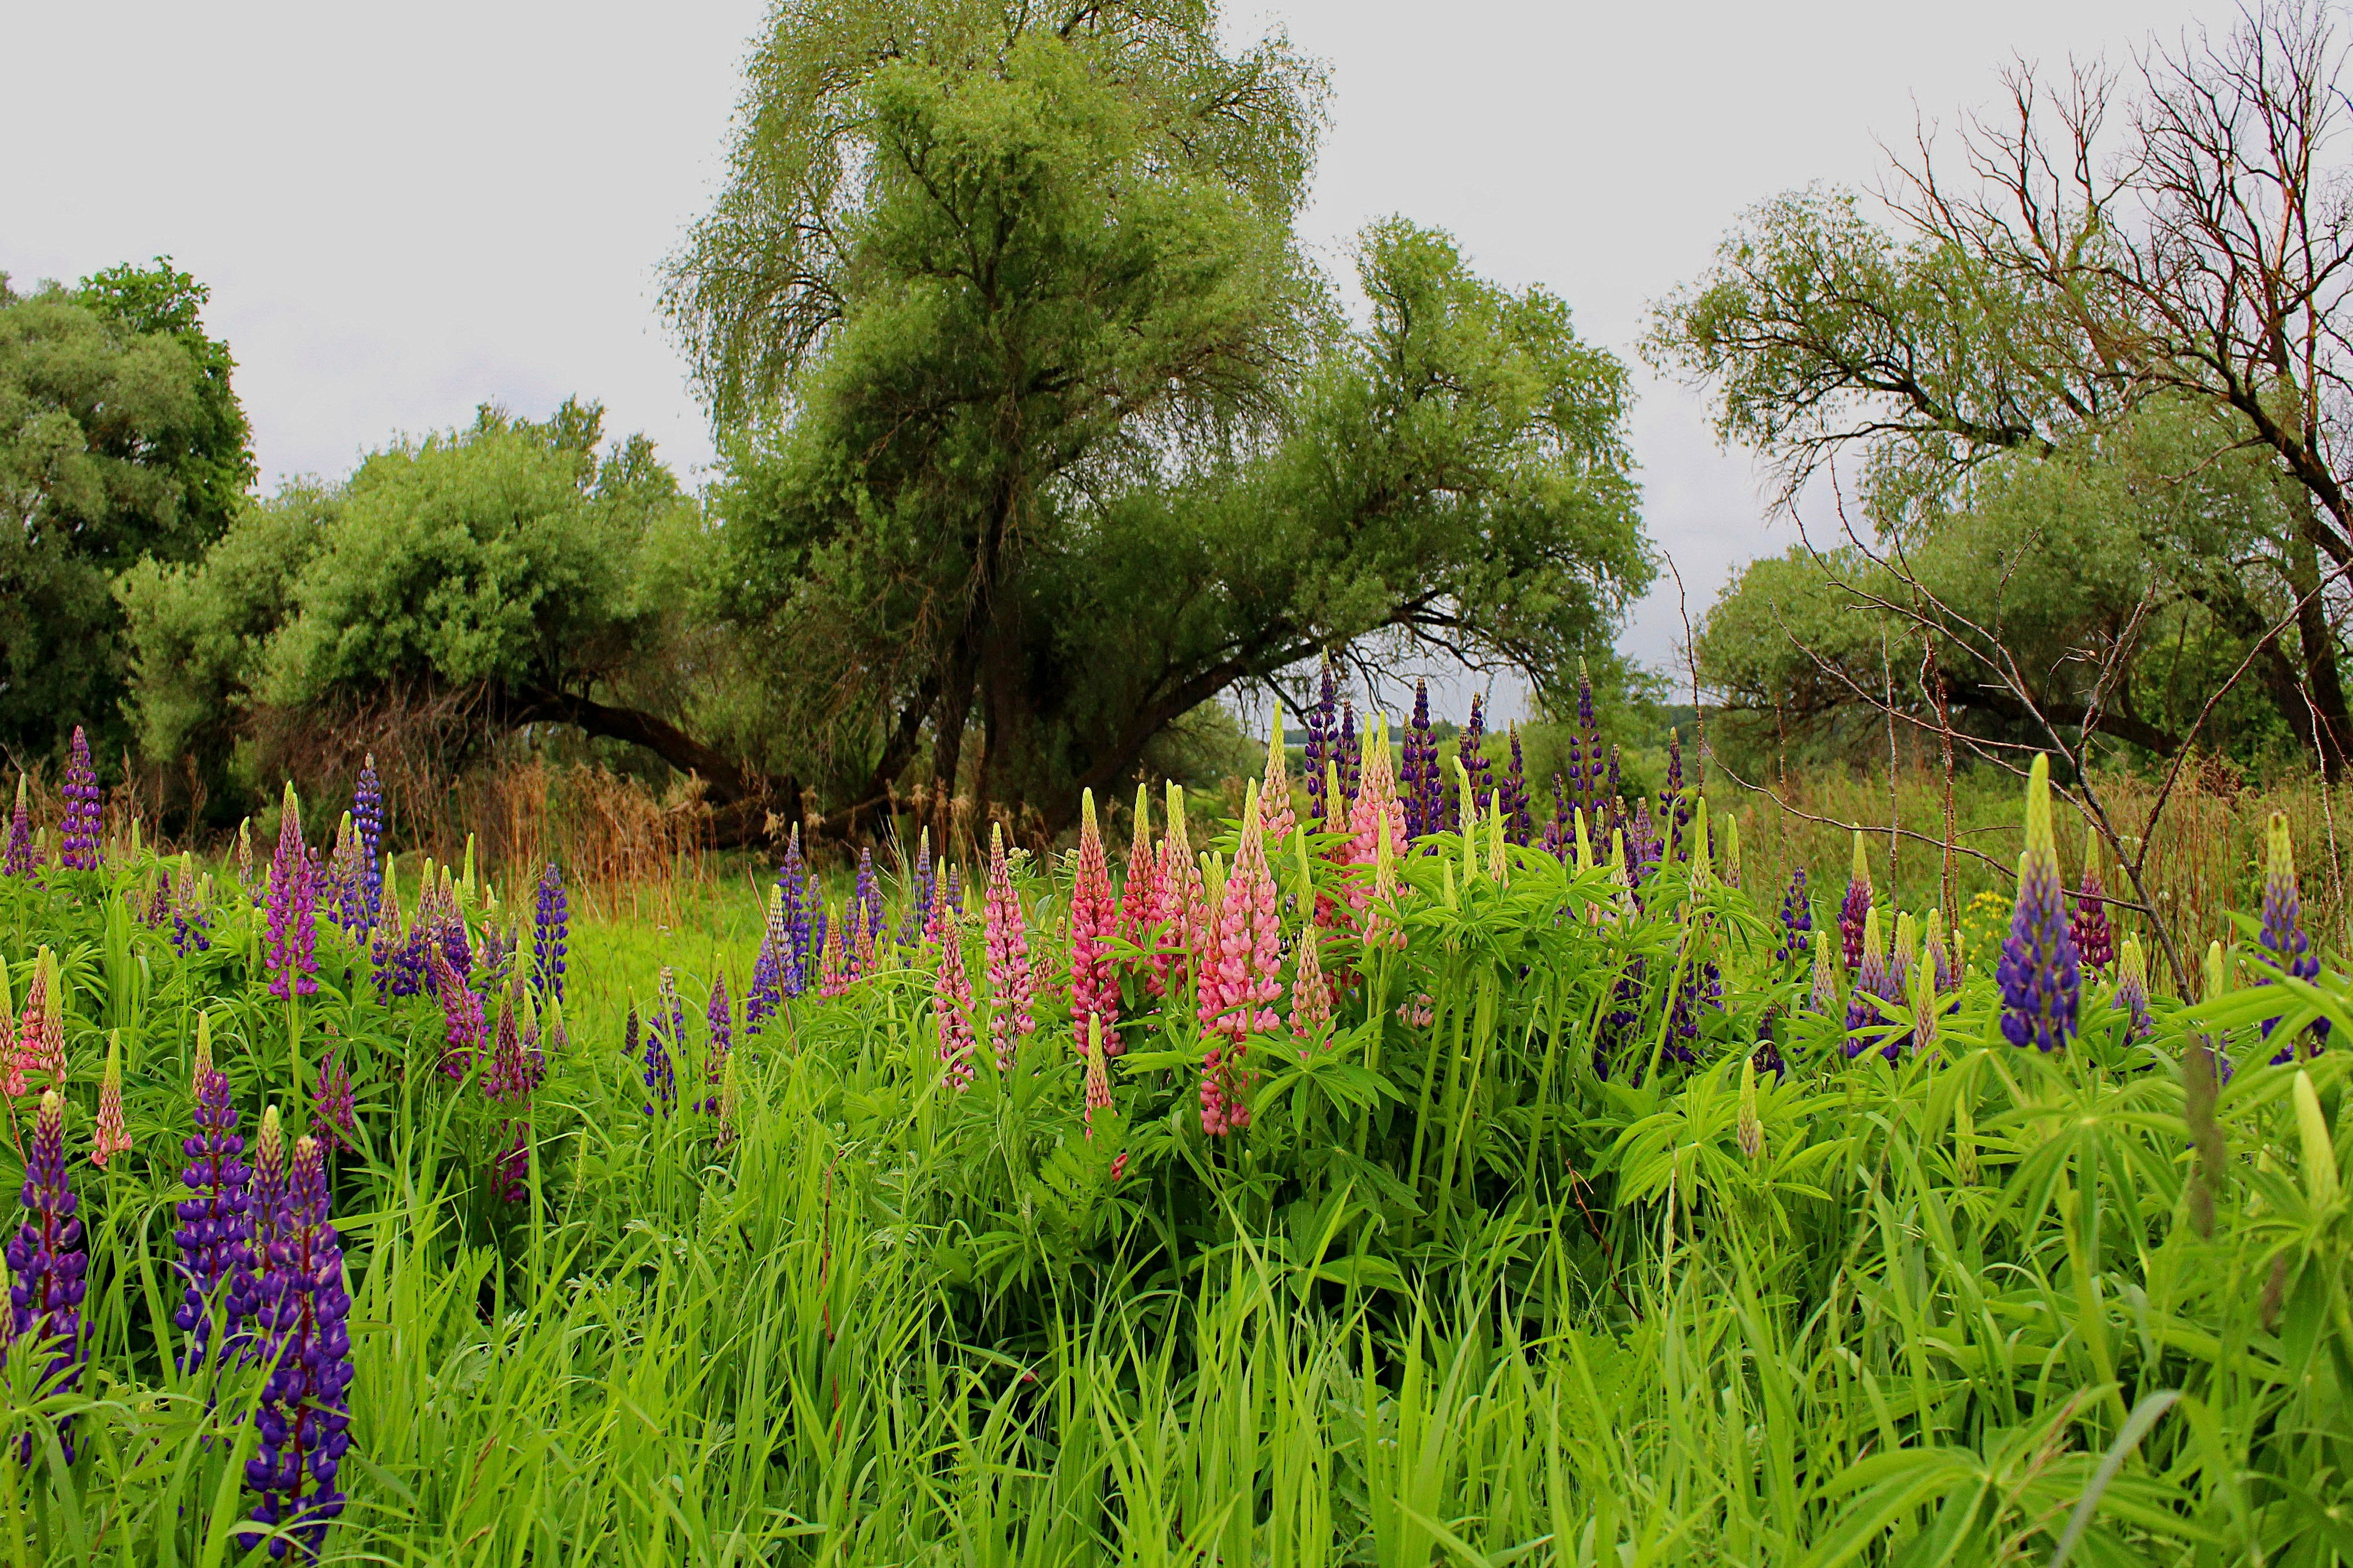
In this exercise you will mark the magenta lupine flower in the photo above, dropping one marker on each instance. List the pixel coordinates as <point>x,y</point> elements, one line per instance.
<point>304,1417</point>
<point>1322,743</point>
<point>1865,1021</point>
<point>334,1119</point>
<point>551,928</point>
<point>921,894</point>
<point>1098,1084</point>
<point>951,1002</point>
<point>20,861</point>
<point>463,1027</point>
<point>1240,980</point>
<point>719,1015</point>
<point>83,824</point>
<point>1855,906</point>
<point>510,1079</point>
<point>45,1263</point>
<point>2096,942</point>
<point>2132,990</point>
<point>2283,940</point>
<point>1094,988</point>
<point>367,815</point>
<point>1797,920</point>
<point>1009,959</point>
<point>294,932</point>
<point>216,1230</point>
<point>2041,977</point>
<point>1183,936</point>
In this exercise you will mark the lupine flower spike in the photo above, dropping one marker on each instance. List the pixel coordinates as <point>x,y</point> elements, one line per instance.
<point>1824,996</point>
<point>1139,897</point>
<point>80,837</point>
<point>2132,990</point>
<point>1007,940</point>
<point>110,1139</point>
<point>1311,993</point>
<point>1925,1007</point>
<point>1098,1074</point>
<point>1870,988</point>
<point>40,1042</point>
<point>20,861</point>
<point>1797,920</point>
<point>1855,905</point>
<point>1184,906</point>
<point>2284,941</point>
<point>304,1418</point>
<point>2096,942</point>
<point>2041,976</point>
<point>952,1003</point>
<point>1750,1127</point>
<point>1276,817</point>
<point>47,1263</point>
<point>1095,986</point>
<point>216,1229</point>
<point>551,930</point>
<point>293,933</point>
<point>1239,979</point>
<point>1906,956</point>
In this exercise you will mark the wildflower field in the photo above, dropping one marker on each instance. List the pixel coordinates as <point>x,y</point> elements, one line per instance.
<point>1402,1172</point>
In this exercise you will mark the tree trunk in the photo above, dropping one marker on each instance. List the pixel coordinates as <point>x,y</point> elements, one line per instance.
<point>2326,724</point>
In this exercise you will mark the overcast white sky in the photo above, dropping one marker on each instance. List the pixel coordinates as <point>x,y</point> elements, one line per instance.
<point>404,211</point>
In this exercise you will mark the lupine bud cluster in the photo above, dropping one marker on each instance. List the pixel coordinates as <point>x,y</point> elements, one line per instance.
<point>1855,906</point>
<point>20,861</point>
<point>1797,920</point>
<point>1007,940</point>
<point>367,817</point>
<point>110,1137</point>
<point>551,928</point>
<point>2132,990</point>
<point>1095,988</point>
<point>80,837</point>
<point>1422,786</point>
<point>2282,935</point>
<point>2096,942</point>
<point>293,933</point>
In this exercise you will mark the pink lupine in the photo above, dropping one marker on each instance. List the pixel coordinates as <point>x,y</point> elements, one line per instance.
<point>952,1001</point>
<point>40,1049</point>
<point>463,1025</point>
<point>1377,816</point>
<point>1239,978</point>
<point>1098,1073</point>
<point>12,1073</point>
<point>110,1139</point>
<point>1007,940</point>
<point>1094,988</point>
<point>1311,993</point>
<point>1183,905</point>
<point>1276,818</point>
<point>1139,896</point>
<point>833,975</point>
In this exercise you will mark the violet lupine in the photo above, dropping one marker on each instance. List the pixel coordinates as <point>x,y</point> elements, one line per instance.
<point>1585,741</point>
<point>335,1119</point>
<point>1240,980</point>
<point>80,837</point>
<point>2096,942</point>
<point>1519,822</point>
<point>1275,817</point>
<point>1008,940</point>
<point>1347,759</point>
<point>2283,940</point>
<point>2041,977</point>
<point>1424,791</point>
<point>550,932</point>
<point>1558,838</point>
<point>110,1137</point>
<point>794,884</point>
<point>339,888</point>
<point>866,912</point>
<point>719,1016</point>
<point>1866,1020</point>
<point>766,995</point>
<point>47,1263</point>
<point>1321,747</point>
<point>921,890</point>
<point>1856,905</point>
<point>293,933</point>
<point>2132,990</point>
<point>399,965</point>
<point>664,1034</point>
<point>1943,956</point>
<point>1797,920</point>
<point>367,815</point>
<point>452,915</point>
<point>1094,985</point>
<point>191,926</point>
<point>20,861</point>
<point>1471,755</point>
<point>1675,800</point>
<point>463,1027</point>
<point>951,1002</point>
<point>216,1230</point>
<point>304,1417</point>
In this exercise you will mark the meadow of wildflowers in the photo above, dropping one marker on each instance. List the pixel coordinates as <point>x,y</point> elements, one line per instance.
<point>1419,1167</point>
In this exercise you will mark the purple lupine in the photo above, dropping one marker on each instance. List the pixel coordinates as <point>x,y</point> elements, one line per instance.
<point>2132,992</point>
<point>1587,787</point>
<point>83,824</point>
<point>1875,986</point>
<point>1560,834</point>
<point>866,931</point>
<point>551,930</point>
<point>664,1034</point>
<point>720,1017</point>
<point>20,861</point>
<point>1423,790</point>
<point>293,933</point>
<point>796,885</point>
<point>304,1416</point>
<point>512,1074</point>
<point>2095,941</point>
<point>46,1262</point>
<point>1674,801</point>
<point>463,1027</point>
<point>1613,797</point>
<point>1348,753</point>
<point>367,817</point>
<point>766,991</point>
<point>191,927</point>
<point>335,1118</point>
<point>216,1229</point>
<point>1322,740</point>
<point>1797,920</point>
<point>2283,940</point>
<point>1519,823</point>
<point>454,944</point>
<point>265,1205</point>
<point>1470,748</point>
<point>1855,906</point>
<point>2041,977</point>
<point>920,891</point>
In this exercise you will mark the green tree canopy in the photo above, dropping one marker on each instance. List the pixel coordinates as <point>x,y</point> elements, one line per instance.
<point>1053,436</point>
<point>120,440</point>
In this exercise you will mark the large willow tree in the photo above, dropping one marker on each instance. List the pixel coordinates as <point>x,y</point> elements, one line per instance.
<point>1041,431</point>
